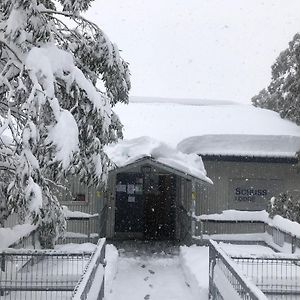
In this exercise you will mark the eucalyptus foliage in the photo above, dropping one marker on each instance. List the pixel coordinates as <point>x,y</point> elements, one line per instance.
<point>283,93</point>
<point>60,76</point>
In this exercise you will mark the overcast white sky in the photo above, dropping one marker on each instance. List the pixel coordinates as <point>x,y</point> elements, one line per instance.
<point>215,49</point>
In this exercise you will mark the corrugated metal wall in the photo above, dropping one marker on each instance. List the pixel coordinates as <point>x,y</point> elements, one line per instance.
<point>277,177</point>
<point>11,221</point>
<point>80,197</point>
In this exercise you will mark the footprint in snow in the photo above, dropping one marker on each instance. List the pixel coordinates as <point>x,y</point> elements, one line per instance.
<point>150,285</point>
<point>143,266</point>
<point>147,297</point>
<point>146,278</point>
<point>151,271</point>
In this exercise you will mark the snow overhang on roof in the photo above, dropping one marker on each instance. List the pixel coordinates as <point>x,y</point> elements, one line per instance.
<point>242,145</point>
<point>256,132</point>
<point>147,150</point>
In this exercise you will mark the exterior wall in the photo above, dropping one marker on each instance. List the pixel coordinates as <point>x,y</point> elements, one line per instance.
<point>182,203</point>
<point>11,221</point>
<point>232,178</point>
<point>92,200</point>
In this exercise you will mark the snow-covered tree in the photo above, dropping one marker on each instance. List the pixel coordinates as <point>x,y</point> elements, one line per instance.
<point>60,76</point>
<point>283,93</point>
<point>285,205</point>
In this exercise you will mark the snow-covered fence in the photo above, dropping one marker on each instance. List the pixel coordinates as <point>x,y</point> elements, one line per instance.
<point>81,229</point>
<point>249,226</point>
<point>226,281</point>
<point>209,227</point>
<point>91,284</point>
<point>282,239</point>
<point>275,274</point>
<point>40,274</point>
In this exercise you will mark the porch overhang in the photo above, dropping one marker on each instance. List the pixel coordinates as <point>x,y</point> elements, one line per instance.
<point>150,161</point>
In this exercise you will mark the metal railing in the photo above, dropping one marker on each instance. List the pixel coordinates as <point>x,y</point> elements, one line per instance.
<point>40,274</point>
<point>94,273</point>
<point>271,235</point>
<point>277,275</point>
<point>225,279</point>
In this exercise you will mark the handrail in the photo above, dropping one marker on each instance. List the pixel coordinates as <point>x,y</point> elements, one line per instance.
<point>289,237</point>
<point>84,285</point>
<point>243,286</point>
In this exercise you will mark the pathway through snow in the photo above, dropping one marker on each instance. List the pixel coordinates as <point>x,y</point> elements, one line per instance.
<point>149,277</point>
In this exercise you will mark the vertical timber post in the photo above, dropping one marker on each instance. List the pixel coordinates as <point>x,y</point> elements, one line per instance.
<point>193,210</point>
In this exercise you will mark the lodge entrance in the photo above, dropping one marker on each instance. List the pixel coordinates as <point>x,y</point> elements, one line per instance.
<point>159,209</point>
<point>145,206</point>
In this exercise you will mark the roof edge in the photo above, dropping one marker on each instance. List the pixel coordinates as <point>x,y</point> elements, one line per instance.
<point>248,158</point>
<point>152,161</point>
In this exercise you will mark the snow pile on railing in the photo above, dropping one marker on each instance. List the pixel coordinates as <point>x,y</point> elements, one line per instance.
<point>277,221</point>
<point>69,214</point>
<point>10,236</point>
<point>220,279</point>
<point>128,151</point>
<point>236,215</point>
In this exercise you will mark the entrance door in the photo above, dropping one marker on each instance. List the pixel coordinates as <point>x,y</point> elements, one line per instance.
<point>129,203</point>
<point>159,210</point>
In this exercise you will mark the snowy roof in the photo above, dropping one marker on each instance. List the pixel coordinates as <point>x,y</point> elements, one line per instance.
<point>242,145</point>
<point>220,127</point>
<point>129,151</point>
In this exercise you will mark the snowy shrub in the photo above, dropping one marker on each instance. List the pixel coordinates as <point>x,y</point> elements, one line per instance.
<point>285,205</point>
<point>54,118</point>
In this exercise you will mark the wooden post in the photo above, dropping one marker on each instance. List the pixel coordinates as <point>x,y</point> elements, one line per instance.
<point>193,209</point>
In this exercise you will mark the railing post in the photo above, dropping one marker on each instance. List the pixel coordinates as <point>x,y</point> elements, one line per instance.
<point>201,230</point>
<point>3,263</point>
<point>212,263</point>
<point>89,230</point>
<point>3,270</point>
<point>33,240</point>
<point>293,244</point>
<point>103,262</point>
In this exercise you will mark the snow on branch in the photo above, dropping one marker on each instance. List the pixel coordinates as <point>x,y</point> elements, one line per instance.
<point>51,105</point>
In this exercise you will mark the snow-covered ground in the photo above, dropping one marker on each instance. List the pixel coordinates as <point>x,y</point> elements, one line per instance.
<point>161,275</point>
<point>152,276</point>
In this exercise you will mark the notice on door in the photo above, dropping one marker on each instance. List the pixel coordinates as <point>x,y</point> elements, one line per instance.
<point>121,188</point>
<point>130,188</point>
<point>131,199</point>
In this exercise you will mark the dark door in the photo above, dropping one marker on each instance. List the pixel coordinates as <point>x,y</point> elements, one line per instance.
<point>159,210</point>
<point>129,203</point>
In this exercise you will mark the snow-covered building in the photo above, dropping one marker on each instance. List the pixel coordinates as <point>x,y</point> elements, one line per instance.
<point>248,153</point>
<point>150,190</point>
